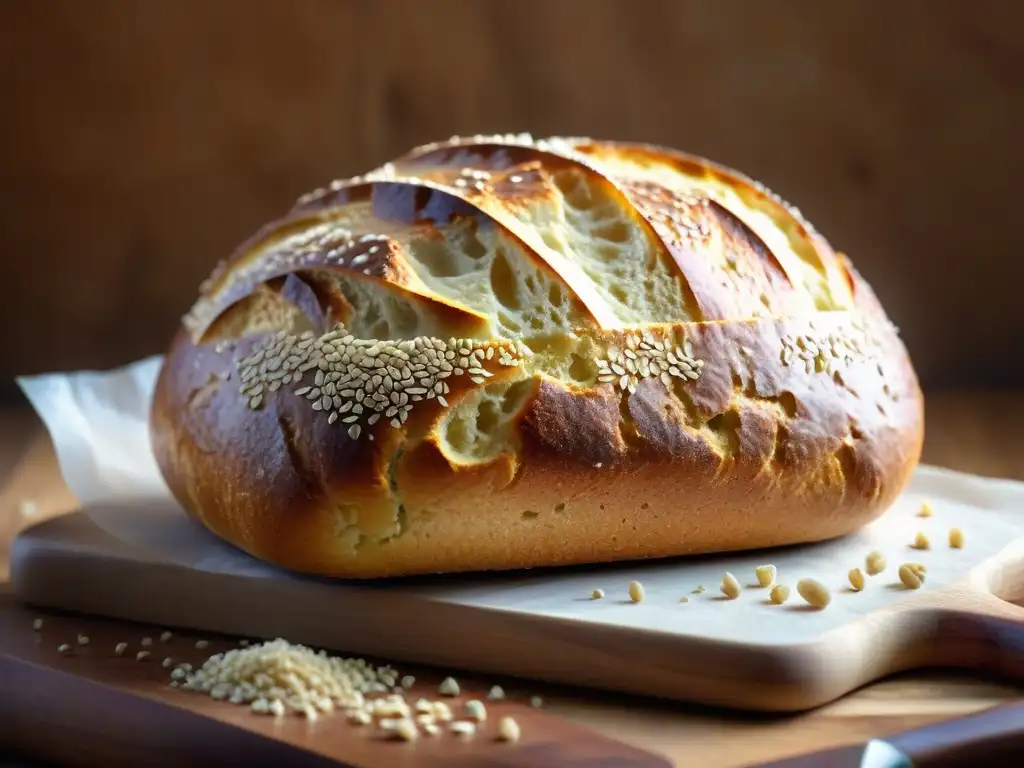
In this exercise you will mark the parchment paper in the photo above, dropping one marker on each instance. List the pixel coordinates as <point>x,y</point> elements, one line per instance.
<point>98,423</point>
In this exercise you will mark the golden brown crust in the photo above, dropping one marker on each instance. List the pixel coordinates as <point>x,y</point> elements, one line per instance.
<point>794,425</point>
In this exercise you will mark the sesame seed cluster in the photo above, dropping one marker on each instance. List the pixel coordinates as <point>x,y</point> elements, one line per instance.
<point>822,352</point>
<point>359,381</point>
<point>645,357</point>
<point>675,215</point>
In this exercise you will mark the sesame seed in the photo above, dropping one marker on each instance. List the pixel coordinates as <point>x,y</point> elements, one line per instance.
<point>146,642</point>
<point>925,510</point>
<point>64,648</point>
<point>814,592</point>
<point>597,594</point>
<point>408,682</point>
<point>142,655</point>
<point>536,702</point>
<point>27,508</point>
<point>875,563</point>
<point>684,599</point>
<point>202,644</point>
<point>165,637</point>
<point>464,729</point>
<point>406,731</point>
<point>359,717</point>
<point>508,730</point>
<point>120,648</point>
<point>277,707</point>
<point>83,639</point>
<point>442,711</point>
<point>730,586</point>
<point>497,693</point>
<point>37,624</point>
<point>476,710</point>
<point>449,687</point>
<point>921,541</point>
<point>167,663</point>
<point>956,538</point>
<point>779,594</point>
<point>856,579</point>
<point>636,591</point>
<point>699,590</point>
<point>765,575</point>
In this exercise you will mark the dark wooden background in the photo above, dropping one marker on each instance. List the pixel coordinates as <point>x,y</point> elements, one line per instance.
<point>141,140</point>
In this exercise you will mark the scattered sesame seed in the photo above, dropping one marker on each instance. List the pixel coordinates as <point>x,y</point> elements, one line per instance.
<point>508,730</point>
<point>779,594</point>
<point>406,731</point>
<point>64,648</point>
<point>359,717</point>
<point>277,708</point>
<point>166,637</point>
<point>699,590</point>
<point>730,586</point>
<point>921,541</point>
<point>476,710</point>
<point>167,663</point>
<point>536,702</point>
<point>83,639</point>
<point>814,592</point>
<point>925,510</point>
<point>27,508</point>
<point>120,648</point>
<point>442,711</point>
<point>178,674</point>
<point>431,729</point>
<point>464,728</point>
<point>259,706</point>
<point>856,579</point>
<point>37,624</point>
<point>636,591</point>
<point>684,599</point>
<point>142,655</point>
<point>146,642</point>
<point>911,576</point>
<point>449,687</point>
<point>497,693</point>
<point>202,644</point>
<point>765,575</point>
<point>597,594</point>
<point>408,682</point>
<point>956,538</point>
<point>875,563</point>
<point>243,643</point>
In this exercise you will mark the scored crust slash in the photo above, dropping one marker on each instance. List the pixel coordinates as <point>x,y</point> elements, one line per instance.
<point>499,352</point>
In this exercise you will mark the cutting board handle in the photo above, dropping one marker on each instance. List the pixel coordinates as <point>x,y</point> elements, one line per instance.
<point>989,637</point>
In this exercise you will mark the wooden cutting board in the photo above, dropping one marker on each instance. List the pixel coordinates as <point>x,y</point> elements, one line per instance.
<point>742,653</point>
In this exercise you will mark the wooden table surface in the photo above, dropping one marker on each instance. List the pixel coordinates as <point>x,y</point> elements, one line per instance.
<point>979,432</point>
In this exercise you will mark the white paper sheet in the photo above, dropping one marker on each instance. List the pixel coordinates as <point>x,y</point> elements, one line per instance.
<point>99,426</point>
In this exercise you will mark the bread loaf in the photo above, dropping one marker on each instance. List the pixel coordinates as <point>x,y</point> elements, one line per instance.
<point>499,352</point>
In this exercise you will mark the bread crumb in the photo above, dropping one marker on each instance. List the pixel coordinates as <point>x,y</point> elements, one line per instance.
<point>925,510</point>
<point>636,591</point>
<point>730,586</point>
<point>597,594</point>
<point>956,538</point>
<point>856,579</point>
<point>779,594</point>
<point>875,563</point>
<point>765,575</point>
<point>508,730</point>
<point>814,592</point>
<point>449,687</point>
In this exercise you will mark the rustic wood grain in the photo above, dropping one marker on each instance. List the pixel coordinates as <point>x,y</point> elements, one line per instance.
<point>142,141</point>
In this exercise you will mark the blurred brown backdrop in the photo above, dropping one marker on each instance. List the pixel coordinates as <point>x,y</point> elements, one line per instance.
<point>140,141</point>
